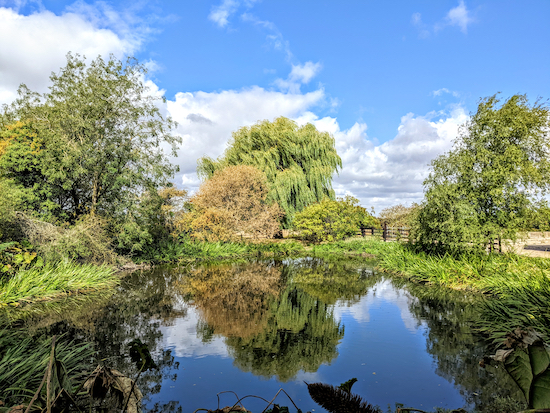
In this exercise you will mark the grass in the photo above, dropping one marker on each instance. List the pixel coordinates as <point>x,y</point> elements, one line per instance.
<point>24,358</point>
<point>516,289</point>
<point>53,280</point>
<point>181,251</point>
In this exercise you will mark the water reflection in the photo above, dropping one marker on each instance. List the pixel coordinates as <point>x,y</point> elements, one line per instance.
<point>233,300</point>
<point>328,319</point>
<point>450,316</point>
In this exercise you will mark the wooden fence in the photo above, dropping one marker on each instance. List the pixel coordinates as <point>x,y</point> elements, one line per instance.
<point>386,233</point>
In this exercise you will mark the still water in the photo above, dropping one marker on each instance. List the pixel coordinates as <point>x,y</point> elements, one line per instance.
<point>255,327</point>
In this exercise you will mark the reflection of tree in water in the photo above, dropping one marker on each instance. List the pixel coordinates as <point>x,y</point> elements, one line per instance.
<point>333,279</point>
<point>233,299</point>
<point>449,316</point>
<point>111,321</point>
<point>301,334</point>
<point>143,304</point>
<point>272,330</point>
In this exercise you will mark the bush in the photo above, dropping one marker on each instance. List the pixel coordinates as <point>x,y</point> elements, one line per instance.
<point>85,241</point>
<point>149,221</point>
<point>330,220</point>
<point>11,200</point>
<point>234,200</point>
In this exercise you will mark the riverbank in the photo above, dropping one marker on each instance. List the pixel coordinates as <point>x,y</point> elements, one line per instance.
<point>515,289</point>
<point>55,280</point>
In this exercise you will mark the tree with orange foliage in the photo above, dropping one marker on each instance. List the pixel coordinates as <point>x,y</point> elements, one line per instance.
<point>233,201</point>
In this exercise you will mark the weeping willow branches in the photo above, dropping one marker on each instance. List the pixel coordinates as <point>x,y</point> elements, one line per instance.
<point>298,161</point>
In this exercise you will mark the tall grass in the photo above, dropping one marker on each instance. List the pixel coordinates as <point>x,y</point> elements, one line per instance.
<point>368,246</point>
<point>53,280</point>
<point>178,251</point>
<point>516,288</point>
<point>23,360</point>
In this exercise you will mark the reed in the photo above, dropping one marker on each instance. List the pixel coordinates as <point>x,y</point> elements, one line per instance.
<point>178,251</point>
<point>53,280</point>
<point>24,358</point>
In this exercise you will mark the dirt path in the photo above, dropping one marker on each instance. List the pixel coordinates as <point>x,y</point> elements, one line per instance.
<point>539,251</point>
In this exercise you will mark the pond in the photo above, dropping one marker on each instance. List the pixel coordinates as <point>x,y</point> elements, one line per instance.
<point>257,326</point>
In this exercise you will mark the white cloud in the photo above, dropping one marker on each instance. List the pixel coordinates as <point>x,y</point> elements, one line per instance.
<point>459,16</point>
<point>416,20</point>
<point>32,46</point>
<point>381,175</point>
<point>443,90</point>
<point>274,36</point>
<point>300,74</point>
<point>220,14</point>
<point>206,120</point>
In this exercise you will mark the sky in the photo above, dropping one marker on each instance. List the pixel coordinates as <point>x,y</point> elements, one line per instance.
<point>392,81</point>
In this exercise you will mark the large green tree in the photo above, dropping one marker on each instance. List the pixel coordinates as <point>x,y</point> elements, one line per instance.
<point>92,144</point>
<point>298,161</point>
<point>483,189</point>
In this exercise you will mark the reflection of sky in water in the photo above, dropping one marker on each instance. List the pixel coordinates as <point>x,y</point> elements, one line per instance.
<point>181,337</point>
<point>377,295</point>
<point>384,346</point>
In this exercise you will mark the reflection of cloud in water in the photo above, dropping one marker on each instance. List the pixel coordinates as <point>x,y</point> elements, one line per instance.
<point>181,336</point>
<point>383,291</point>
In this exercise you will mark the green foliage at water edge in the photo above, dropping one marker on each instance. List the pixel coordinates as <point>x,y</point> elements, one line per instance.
<point>54,280</point>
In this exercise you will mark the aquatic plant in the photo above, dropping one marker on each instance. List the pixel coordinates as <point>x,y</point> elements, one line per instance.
<point>338,400</point>
<point>527,361</point>
<point>53,280</point>
<point>27,361</point>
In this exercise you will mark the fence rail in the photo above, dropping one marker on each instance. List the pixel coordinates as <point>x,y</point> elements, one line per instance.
<point>386,233</point>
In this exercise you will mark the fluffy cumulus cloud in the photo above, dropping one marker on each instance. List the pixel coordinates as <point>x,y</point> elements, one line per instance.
<point>300,74</point>
<point>379,174</point>
<point>390,173</point>
<point>206,120</point>
<point>34,45</point>
<point>459,16</point>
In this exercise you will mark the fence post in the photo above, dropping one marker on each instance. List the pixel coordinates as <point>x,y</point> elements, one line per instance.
<point>385,231</point>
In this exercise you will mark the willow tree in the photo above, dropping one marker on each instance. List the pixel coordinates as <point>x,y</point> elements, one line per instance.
<point>299,161</point>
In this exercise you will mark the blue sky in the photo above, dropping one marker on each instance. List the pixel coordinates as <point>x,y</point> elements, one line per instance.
<point>392,81</point>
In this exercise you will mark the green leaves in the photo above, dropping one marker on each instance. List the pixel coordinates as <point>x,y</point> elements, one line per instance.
<point>15,257</point>
<point>91,143</point>
<point>332,220</point>
<point>298,161</point>
<point>483,189</point>
<point>528,363</point>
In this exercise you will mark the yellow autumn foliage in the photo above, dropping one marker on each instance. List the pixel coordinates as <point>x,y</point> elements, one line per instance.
<point>231,203</point>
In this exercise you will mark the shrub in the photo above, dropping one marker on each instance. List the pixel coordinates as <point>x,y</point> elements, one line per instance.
<point>85,241</point>
<point>234,200</point>
<point>330,220</point>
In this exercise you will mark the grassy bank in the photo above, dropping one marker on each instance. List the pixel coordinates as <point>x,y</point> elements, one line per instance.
<point>175,251</point>
<point>516,289</point>
<point>42,283</point>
